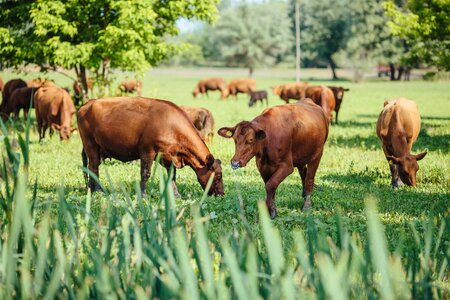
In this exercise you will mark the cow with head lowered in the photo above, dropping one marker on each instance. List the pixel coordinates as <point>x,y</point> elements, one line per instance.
<point>338,92</point>
<point>398,127</point>
<point>280,146</point>
<point>324,97</point>
<point>130,128</point>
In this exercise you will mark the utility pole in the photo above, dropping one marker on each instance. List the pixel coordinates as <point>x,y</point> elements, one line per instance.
<point>297,40</point>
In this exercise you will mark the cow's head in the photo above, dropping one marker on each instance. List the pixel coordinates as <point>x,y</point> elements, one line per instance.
<point>64,131</point>
<point>407,166</point>
<point>248,138</point>
<point>277,89</point>
<point>195,92</point>
<point>225,93</point>
<point>339,94</point>
<point>212,168</point>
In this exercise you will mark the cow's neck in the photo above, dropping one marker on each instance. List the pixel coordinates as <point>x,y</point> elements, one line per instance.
<point>196,155</point>
<point>399,139</point>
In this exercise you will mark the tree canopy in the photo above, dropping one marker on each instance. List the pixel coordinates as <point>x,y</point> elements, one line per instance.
<point>94,34</point>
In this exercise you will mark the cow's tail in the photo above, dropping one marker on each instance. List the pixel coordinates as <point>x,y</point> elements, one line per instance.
<point>85,164</point>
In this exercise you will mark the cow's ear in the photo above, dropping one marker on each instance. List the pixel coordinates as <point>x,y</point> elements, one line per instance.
<point>392,159</point>
<point>209,161</point>
<point>421,155</point>
<point>260,134</point>
<point>226,132</point>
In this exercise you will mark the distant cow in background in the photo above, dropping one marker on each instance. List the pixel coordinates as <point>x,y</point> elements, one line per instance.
<point>202,119</point>
<point>338,96</point>
<point>54,109</point>
<point>39,82</point>
<point>78,90</point>
<point>324,97</point>
<point>295,91</point>
<point>131,85</point>
<point>21,98</point>
<point>211,84</point>
<point>258,96</point>
<point>398,127</point>
<point>8,89</point>
<point>241,85</point>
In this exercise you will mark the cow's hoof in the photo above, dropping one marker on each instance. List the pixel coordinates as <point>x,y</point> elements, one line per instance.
<point>307,204</point>
<point>273,212</point>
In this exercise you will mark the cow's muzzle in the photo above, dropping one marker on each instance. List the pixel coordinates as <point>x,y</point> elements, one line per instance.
<point>235,165</point>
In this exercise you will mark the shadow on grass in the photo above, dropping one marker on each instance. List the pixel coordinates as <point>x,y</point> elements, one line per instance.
<point>356,141</point>
<point>352,124</point>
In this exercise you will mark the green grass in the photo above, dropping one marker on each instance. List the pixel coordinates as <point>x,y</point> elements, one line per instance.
<point>353,167</point>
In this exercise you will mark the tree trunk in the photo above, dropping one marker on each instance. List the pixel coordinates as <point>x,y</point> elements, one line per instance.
<point>400,73</point>
<point>392,71</point>
<point>250,71</point>
<point>333,67</point>
<point>83,79</point>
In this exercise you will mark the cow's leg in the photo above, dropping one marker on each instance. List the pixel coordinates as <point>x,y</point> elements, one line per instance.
<point>25,114</point>
<point>267,101</point>
<point>337,112</point>
<point>302,171</point>
<point>174,184</point>
<point>146,167</point>
<point>272,184</point>
<point>309,182</point>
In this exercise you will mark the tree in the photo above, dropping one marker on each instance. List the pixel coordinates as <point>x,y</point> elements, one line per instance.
<point>253,35</point>
<point>425,24</point>
<point>324,29</point>
<point>93,34</point>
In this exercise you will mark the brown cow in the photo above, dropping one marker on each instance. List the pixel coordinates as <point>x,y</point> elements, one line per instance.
<point>8,89</point>
<point>295,90</point>
<point>241,85</point>
<point>54,109</point>
<point>78,90</point>
<point>39,82</point>
<point>131,85</point>
<point>281,146</point>
<point>324,97</point>
<point>21,98</point>
<point>398,127</point>
<point>338,92</point>
<point>211,84</point>
<point>152,126</point>
<point>202,119</point>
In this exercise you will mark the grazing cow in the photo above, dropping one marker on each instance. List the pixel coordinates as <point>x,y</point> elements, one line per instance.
<point>152,126</point>
<point>211,84</point>
<point>398,127</point>
<point>21,98</point>
<point>280,146</point>
<point>241,85</point>
<point>131,85</point>
<point>39,82</point>
<point>202,119</point>
<point>8,89</point>
<point>324,97</point>
<point>54,109</point>
<point>258,96</point>
<point>78,90</point>
<point>338,93</point>
<point>290,91</point>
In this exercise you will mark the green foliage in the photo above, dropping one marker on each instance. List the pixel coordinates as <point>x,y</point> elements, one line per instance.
<point>426,26</point>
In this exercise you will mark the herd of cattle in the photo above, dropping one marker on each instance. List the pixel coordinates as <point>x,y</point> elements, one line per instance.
<point>281,138</point>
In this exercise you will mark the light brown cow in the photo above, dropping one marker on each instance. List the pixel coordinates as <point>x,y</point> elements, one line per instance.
<point>54,109</point>
<point>211,84</point>
<point>131,85</point>
<point>282,138</point>
<point>39,82</point>
<point>241,85</point>
<point>202,119</point>
<point>398,127</point>
<point>8,89</point>
<point>130,128</point>
<point>295,91</point>
<point>21,98</point>
<point>324,97</point>
<point>338,92</point>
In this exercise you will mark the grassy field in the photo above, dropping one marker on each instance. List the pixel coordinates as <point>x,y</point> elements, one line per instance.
<point>352,168</point>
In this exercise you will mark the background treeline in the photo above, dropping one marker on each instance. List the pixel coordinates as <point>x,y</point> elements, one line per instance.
<point>355,34</point>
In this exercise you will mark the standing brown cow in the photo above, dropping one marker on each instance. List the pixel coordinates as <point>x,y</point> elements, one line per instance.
<point>202,119</point>
<point>282,138</point>
<point>324,97</point>
<point>211,84</point>
<point>8,89</point>
<point>338,92</point>
<point>54,109</point>
<point>21,98</point>
<point>241,85</point>
<point>130,128</point>
<point>130,85</point>
<point>290,91</point>
<point>398,127</point>
<point>78,90</point>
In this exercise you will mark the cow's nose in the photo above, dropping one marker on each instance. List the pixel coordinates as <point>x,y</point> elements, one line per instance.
<point>235,165</point>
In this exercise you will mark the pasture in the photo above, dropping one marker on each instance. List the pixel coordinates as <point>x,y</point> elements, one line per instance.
<point>353,166</point>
